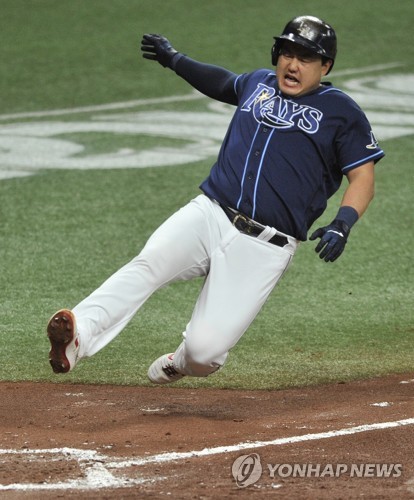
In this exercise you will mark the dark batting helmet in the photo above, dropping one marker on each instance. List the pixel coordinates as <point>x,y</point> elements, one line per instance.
<point>310,32</point>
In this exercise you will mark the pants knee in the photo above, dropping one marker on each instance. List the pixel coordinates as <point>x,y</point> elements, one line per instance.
<point>197,361</point>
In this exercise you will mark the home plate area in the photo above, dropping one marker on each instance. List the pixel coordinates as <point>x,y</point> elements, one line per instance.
<point>342,440</point>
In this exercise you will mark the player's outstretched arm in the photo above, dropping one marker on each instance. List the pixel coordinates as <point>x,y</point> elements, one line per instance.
<point>213,81</point>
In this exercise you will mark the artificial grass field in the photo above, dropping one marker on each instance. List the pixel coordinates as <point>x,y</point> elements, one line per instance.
<point>63,231</point>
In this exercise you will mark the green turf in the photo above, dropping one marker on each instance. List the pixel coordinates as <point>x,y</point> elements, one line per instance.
<point>63,232</point>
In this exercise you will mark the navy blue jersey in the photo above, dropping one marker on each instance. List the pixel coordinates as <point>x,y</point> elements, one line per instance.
<point>282,158</point>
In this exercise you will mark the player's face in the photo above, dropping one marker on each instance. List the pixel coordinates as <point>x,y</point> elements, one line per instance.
<point>299,70</point>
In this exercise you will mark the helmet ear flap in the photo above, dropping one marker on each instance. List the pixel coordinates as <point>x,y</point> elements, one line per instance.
<point>275,53</point>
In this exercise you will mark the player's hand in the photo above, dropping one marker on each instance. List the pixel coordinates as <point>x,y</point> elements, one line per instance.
<point>158,48</point>
<point>333,239</point>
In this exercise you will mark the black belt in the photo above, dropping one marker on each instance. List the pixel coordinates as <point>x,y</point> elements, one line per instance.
<point>248,226</point>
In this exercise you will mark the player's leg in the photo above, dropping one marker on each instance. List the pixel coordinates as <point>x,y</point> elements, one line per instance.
<point>178,249</point>
<point>242,274</point>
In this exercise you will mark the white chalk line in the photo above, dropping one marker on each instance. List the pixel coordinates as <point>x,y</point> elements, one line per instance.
<point>195,95</point>
<point>96,465</point>
<point>91,463</point>
<point>174,456</point>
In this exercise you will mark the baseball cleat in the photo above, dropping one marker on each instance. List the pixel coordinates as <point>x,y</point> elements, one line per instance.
<point>64,341</point>
<point>163,370</point>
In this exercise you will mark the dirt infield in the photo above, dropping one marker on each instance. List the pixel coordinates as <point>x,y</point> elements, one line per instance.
<point>337,441</point>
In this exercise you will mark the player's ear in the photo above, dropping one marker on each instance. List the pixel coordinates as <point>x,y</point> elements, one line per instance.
<point>326,66</point>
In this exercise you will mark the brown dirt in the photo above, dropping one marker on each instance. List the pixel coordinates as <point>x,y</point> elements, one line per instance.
<point>85,441</point>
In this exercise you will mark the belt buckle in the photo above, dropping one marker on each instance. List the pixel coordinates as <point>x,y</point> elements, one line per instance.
<point>242,218</point>
<point>239,216</point>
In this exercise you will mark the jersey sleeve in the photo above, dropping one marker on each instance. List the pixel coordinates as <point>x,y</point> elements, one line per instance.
<point>356,143</point>
<point>243,80</point>
<point>239,83</point>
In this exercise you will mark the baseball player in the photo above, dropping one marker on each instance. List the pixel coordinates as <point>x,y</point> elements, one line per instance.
<point>291,141</point>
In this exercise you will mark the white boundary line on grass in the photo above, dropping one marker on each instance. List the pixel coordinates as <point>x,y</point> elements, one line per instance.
<point>105,107</point>
<point>96,467</point>
<point>160,100</point>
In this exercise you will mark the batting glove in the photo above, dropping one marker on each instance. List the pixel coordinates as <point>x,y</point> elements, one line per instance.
<point>335,235</point>
<point>158,48</point>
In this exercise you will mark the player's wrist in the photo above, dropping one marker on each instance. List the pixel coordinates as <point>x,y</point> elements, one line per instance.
<point>174,60</point>
<point>348,215</point>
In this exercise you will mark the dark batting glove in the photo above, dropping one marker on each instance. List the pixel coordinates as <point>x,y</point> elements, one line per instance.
<point>335,235</point>
<point>158,48</point>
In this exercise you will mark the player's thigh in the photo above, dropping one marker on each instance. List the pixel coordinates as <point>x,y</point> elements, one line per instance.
<point>241,277</point>
<point>180,247</point>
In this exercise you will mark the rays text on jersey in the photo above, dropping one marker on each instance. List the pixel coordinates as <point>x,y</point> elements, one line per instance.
<point>278,112</point>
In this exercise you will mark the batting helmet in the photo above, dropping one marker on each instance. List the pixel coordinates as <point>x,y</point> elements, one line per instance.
<point>310,32</point>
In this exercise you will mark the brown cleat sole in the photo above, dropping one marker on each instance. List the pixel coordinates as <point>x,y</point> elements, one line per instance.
<point>60,331</point>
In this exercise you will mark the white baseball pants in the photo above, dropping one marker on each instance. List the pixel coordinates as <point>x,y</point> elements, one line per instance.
<point>198,240</point>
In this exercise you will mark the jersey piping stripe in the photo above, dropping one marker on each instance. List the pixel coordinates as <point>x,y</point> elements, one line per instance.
<point>245,166</point>
<point>259,172</point>
<point>361,162</point>
<point>235,84</point>
<point>330,89</point>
